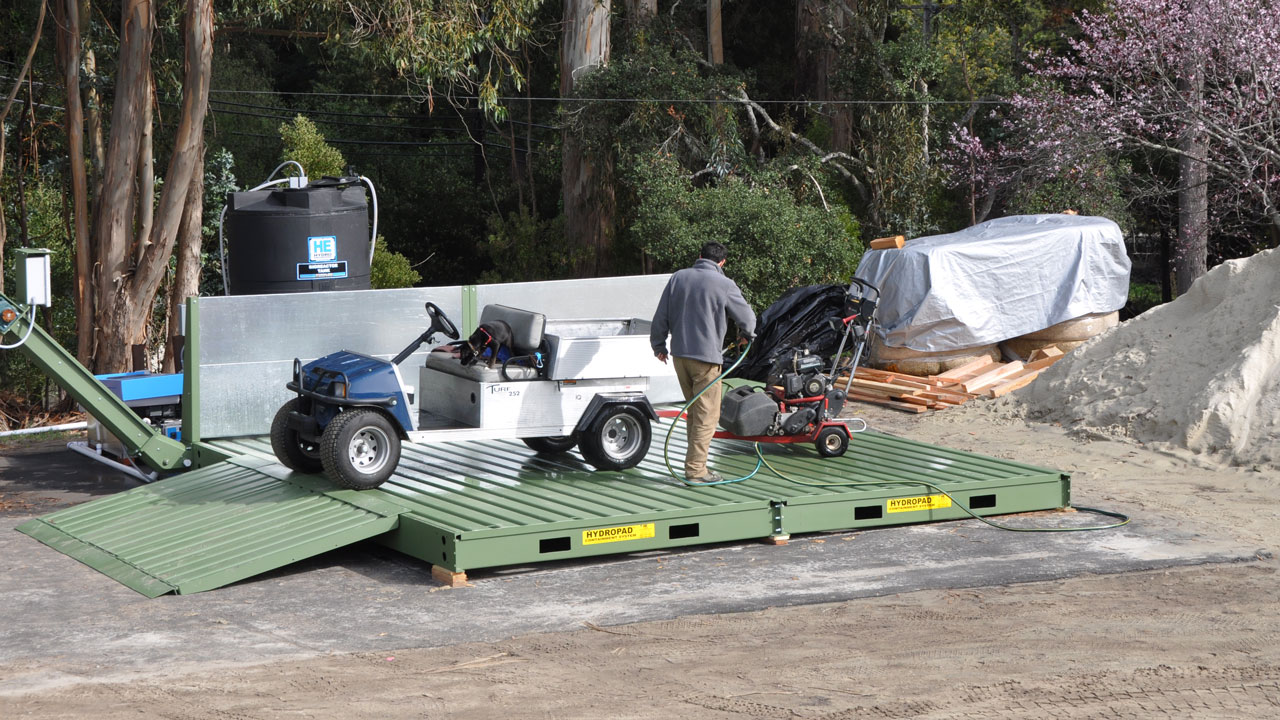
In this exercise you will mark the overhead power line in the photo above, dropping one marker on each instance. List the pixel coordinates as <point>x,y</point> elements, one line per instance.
<point>687,101</point>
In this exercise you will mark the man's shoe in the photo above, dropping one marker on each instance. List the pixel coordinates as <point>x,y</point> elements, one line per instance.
<point>710,478</point>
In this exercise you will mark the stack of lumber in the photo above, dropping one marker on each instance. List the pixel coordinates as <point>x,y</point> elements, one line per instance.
<point>912,393</point>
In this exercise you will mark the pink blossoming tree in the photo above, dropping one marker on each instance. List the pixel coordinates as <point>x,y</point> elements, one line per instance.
<point>1193,82</point>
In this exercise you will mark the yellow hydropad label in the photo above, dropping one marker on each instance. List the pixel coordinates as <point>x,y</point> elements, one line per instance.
<point>924,502</point>
<point>617,534</point>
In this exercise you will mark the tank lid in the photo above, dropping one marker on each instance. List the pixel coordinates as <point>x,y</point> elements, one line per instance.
<point>308,200</point>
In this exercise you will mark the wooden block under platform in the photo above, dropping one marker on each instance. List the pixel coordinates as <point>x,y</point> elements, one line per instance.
<point>448,577</point>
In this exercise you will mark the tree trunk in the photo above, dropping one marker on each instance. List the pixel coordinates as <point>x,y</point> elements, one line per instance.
<point>715,35</point>
<point>1190,257</point>
<point>816,59</point>
<point>91,101</point>
<point>587,182</point>
<point>70,22</point>
<point>186,276</point>
<point>640,12</point>
<point>126,290</point>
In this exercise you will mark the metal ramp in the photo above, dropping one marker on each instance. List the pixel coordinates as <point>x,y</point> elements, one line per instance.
<point>213,526</point>
<point>471,505</point>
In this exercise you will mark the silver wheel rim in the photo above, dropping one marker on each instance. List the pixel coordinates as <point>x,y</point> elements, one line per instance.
<point>834,441</point>
<point>621,436</point>
<point>369,450</point>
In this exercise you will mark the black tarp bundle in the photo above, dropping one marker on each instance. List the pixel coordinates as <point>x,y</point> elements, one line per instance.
<point>799,320</point>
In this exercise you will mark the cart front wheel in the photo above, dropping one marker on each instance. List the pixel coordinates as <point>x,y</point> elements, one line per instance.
<point>551,444</point>
<point>617,439</point>
<point>291,450</point>
<point>360,449</point>
<point>832,441</point>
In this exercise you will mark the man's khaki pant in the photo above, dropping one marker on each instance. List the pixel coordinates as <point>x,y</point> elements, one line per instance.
<point>704,414</point>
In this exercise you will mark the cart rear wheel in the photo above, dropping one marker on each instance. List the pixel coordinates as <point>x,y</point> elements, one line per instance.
<point>291,450</point>
<point>552,443</point>
<point>360,449</point>
<point>832,441</point>
<point>618,438</point>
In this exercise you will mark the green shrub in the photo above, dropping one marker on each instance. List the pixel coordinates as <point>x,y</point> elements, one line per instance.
<point>523,248</point>
<point>304,144</point>
<point>777,240</point>
<point>390,269</point>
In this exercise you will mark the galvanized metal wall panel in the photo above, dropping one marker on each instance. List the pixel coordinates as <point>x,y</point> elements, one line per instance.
<point>248,342</point>
<point>612,297</point>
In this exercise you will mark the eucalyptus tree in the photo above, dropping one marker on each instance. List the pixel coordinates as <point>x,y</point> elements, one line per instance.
<point>127,229</point>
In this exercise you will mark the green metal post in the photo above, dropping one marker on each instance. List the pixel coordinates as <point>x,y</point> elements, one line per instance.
<point>158,451</point>
<point>470,313</point>
<point>191,374</point>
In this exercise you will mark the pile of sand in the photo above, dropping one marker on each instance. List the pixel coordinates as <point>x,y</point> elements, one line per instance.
<point>1201,372</point>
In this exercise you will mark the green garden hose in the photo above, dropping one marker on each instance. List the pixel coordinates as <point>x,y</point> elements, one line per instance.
<point>666,445</point>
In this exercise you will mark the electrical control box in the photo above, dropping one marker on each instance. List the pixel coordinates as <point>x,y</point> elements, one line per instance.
<point>34,277</point>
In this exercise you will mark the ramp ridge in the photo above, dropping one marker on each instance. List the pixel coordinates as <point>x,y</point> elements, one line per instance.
<point>213,526</point>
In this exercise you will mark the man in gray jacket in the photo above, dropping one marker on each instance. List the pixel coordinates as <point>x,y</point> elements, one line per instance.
<point>692,310</point>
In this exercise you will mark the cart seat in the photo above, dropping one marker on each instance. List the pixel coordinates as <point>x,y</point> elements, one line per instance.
<point>526,338</point>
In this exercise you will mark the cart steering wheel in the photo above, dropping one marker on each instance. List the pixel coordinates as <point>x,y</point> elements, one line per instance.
<point>441,323</point>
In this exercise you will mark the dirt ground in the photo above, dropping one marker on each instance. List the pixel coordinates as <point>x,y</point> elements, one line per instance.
<point>1188,642</point>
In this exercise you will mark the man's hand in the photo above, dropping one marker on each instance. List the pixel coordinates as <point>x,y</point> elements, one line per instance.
<point>661,356</point>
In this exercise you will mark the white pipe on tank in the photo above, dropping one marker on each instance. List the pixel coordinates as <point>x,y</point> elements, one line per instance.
<point>373,238</point>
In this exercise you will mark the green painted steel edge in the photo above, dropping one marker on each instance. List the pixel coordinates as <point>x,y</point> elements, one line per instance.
<point>191,431</point>
<point>470,310</point>
<point>98,559</point>
<point>213,526</point>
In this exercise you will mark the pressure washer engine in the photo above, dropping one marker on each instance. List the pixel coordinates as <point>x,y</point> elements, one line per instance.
<point>800,401</point>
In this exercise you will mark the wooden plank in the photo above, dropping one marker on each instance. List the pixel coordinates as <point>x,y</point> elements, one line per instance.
<point>905,385</point>
<point>880,388</point>
<point>949,398</point>
<point>1052,351</point>
<point>964,371</point>
<point>915,381</point>
<point>1043,363</point>
<point>991,377</point>
<point>1022,380</point>
<point>916,400</point>
<point>887,243</point>
<point>886,402</point>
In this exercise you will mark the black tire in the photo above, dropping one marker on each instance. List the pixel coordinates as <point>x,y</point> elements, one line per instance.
<point>832,441</point>
<point>360,449</point>
<point>618,438</point>
<point>292,451</point>
<point>551,444</point>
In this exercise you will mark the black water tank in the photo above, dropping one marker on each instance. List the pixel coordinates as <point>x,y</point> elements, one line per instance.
<point>298,240</point>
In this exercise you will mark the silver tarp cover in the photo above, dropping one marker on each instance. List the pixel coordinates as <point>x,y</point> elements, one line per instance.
<point>997,280</point>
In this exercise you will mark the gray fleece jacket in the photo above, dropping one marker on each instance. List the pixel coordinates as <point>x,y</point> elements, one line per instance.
<point>692,310</point>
